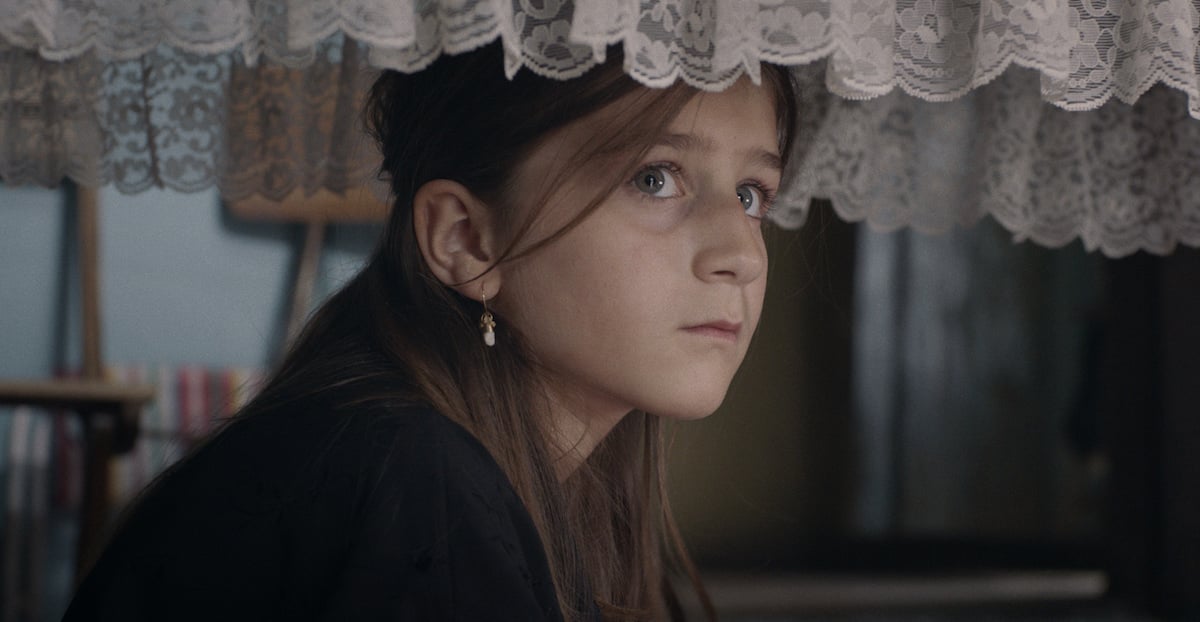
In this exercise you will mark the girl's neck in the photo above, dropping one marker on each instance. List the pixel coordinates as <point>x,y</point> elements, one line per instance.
<point>579,426</point>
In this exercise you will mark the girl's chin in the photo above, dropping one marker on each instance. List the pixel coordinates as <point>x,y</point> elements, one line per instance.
<point>692,411</point>
<point>687,416</point>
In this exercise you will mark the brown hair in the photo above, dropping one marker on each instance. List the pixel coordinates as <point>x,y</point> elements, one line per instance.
<point>396,332</point>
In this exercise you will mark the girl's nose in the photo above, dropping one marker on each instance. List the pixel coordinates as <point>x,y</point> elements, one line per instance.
<point>731,246</point>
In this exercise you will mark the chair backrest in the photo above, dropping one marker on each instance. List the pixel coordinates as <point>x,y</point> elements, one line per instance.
<point>109,412</point>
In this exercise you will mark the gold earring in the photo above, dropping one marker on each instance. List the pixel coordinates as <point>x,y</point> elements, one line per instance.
<point>487,323</point>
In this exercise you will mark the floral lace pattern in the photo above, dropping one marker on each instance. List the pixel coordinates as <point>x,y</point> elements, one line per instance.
<point>185,95</point>
<point>291,128</point>
<point>186,122</point>
<point>1121,178</point>
<point>1087,50</point>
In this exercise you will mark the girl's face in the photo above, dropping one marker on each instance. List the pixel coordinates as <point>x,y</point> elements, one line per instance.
<point>651,301</point>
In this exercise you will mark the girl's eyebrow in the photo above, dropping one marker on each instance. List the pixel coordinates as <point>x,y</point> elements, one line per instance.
<point>694,142</point>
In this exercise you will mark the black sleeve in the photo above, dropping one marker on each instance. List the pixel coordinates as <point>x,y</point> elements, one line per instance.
<point>347,516</point>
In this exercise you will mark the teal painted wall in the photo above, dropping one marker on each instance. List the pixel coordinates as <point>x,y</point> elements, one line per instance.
<point>181,280</point>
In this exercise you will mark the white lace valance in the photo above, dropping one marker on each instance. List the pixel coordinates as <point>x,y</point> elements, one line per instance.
<point>1086,50</point>
<point>1120,179</point>
<point>256,96</point>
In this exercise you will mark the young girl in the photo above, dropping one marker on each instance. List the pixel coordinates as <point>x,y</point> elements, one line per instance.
<point>470,429</point>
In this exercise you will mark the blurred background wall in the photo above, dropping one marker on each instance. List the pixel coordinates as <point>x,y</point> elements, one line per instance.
<point>181,280</point>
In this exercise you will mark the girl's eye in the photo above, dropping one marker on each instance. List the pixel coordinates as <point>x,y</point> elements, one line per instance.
<point>752,200</point>
<point>656,181</point>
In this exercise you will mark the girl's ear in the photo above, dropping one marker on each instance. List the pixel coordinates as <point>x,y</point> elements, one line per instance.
<point>455,233</point>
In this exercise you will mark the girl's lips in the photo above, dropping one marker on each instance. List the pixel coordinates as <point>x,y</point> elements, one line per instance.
<point>725,331</point>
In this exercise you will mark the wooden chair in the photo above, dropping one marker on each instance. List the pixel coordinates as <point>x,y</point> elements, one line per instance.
<point>315,212</point>
<point>109,412</point>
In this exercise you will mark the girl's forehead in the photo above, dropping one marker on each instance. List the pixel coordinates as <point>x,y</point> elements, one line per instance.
<point>741,99</point>
<point>602,138</point>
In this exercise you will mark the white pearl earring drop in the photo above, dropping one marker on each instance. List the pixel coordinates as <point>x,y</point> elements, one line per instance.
<point>488,324</point>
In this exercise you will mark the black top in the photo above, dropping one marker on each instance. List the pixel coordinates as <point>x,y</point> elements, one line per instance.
<point>388,514</point>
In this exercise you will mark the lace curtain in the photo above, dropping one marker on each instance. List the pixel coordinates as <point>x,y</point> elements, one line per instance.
<point>257,96</point>
<point>1121,178</point>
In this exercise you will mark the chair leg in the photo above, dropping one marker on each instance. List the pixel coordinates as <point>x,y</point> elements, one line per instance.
<point>98,446</point>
